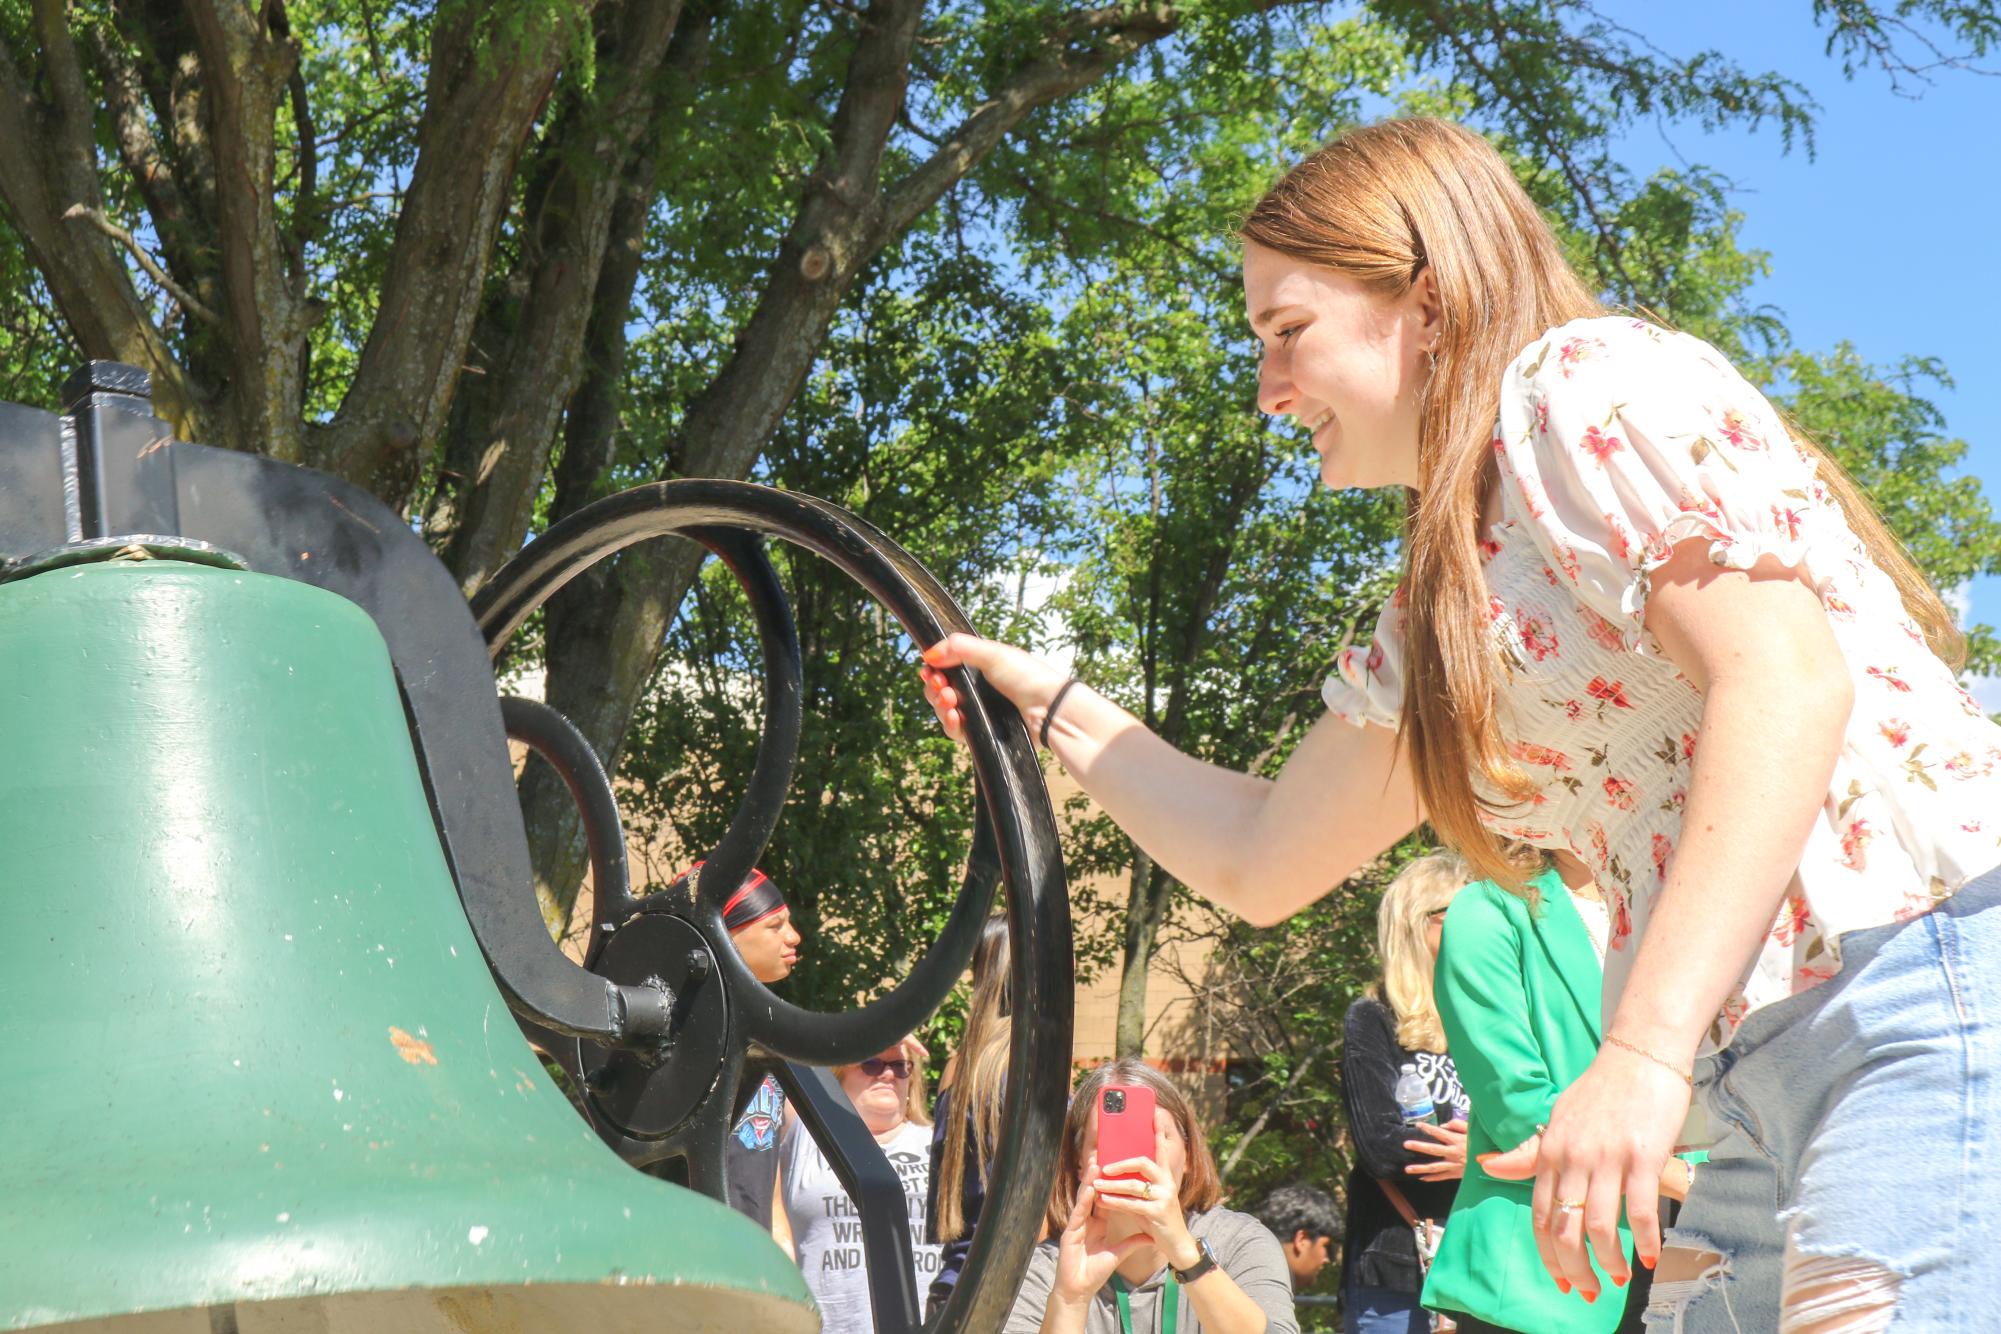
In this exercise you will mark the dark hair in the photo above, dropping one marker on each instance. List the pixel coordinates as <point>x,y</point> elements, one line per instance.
<point>1296,1208</point>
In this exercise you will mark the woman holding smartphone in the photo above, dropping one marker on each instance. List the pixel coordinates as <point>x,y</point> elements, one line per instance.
<point>1140,1243</point>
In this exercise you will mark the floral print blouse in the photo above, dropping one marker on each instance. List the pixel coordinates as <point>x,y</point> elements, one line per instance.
<point>1616,441</point>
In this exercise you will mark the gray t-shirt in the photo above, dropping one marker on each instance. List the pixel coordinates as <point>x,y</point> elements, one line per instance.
<point>1245,1250</point>
<point>827,1229</point>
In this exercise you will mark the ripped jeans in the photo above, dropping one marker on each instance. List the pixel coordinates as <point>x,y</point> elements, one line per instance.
<point>1855,1184</point>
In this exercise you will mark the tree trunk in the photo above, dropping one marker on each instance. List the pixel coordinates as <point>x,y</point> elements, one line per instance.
<point>531,341</point>
<point>1149,892</point>
<point>48,167</point>
<point>590,442</point>
<point>483,92</point>
<point>247,63</point>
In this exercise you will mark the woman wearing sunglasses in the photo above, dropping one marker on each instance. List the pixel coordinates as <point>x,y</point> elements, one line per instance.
<point>816,1220</point>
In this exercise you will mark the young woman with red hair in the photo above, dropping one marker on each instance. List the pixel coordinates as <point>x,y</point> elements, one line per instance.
<point>1650,629</point>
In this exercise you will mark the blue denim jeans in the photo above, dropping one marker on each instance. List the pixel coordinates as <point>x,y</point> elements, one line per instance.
<point>1382,1311</point>
<point>1858,1124</point>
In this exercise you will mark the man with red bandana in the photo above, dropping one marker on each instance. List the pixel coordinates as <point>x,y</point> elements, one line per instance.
<point>760,926</point>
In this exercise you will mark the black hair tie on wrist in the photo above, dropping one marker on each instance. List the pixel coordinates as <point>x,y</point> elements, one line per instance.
<point>1049,714</point>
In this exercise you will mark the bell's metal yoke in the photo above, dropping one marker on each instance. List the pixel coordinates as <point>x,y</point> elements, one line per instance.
<point>109,470</point>
<point>211,754</point>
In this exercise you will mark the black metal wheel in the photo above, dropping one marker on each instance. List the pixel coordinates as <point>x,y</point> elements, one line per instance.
<point>657,1097</point>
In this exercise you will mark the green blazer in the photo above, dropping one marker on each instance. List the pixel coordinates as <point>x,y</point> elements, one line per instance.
<point>1518,990</point>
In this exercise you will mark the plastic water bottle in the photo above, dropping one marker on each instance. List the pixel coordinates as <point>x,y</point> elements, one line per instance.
<point>1413,1096</point>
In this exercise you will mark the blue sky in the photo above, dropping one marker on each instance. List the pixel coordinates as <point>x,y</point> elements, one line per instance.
<point>1888,236</point>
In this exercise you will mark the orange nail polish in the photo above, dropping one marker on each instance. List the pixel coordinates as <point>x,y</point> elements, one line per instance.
<point>1647,1260</point>
<point>1563,1286</point>
<point>1588,1296</point>
<point>932,654</point>
<point>1618,1282</point>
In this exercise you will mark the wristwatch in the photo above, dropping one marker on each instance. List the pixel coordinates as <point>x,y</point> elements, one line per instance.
<point>1202,1266</point>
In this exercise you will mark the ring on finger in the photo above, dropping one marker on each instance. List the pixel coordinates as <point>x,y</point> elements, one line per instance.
<point>1146,1190</point>
<point>1569,1206</point>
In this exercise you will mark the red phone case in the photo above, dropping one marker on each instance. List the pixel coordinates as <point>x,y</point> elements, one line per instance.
<point>1128,1133</point>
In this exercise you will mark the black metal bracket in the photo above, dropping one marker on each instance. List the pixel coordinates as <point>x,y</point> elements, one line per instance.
<point>110,469</point>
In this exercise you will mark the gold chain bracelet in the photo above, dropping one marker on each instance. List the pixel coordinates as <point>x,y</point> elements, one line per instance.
<point>1642,1051</point>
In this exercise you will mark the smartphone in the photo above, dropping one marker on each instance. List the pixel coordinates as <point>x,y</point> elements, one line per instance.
<point>1125,1124</point>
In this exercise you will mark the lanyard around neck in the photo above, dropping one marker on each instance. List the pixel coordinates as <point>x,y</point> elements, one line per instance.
<point>1170,1304</point>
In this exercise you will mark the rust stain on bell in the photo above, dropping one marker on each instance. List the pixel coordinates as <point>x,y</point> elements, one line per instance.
<point>414,1050</point>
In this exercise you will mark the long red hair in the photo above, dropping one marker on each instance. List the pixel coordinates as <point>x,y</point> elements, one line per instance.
<point>1382,204</point>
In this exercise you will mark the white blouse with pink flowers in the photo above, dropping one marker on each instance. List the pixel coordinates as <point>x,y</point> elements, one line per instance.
<point>1616,441</point>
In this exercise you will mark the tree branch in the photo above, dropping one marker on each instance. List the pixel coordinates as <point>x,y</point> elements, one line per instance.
<point>483,92</point>
<point>534,325</point>
<point>247,62</point>
<point>1299,1069</point>
<point>305,208</point>
<point>184,298</point>
<point>125,91</point>
<point>1119,30</point>
<point>48,162</point>
<point>65,74</point>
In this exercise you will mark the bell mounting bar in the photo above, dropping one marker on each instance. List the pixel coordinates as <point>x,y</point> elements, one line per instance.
<point>108,469</point>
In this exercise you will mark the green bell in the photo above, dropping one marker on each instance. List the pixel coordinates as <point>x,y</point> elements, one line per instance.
<point>258,1076</point>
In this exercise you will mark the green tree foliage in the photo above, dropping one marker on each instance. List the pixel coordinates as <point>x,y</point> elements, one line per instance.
<point>1891,439</point>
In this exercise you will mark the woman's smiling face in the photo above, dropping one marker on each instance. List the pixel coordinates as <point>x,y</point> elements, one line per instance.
<point>1344,361</point>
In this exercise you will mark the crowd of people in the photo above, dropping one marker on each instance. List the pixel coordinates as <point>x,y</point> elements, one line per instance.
<point>1713,936</point>
<point>1486,1008</point>
<point>1125,1241</point>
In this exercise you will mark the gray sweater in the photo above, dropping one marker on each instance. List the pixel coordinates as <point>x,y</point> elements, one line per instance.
<point>1245,1250</point>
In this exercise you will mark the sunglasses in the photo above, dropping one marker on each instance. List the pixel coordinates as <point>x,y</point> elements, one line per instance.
<point>875,1065</point>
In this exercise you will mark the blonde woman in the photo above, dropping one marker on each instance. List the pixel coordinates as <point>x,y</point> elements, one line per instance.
<point>1646,623</point>
<point>813,1217</point>
<point>1405,1177</point>
<point>969,1111</point>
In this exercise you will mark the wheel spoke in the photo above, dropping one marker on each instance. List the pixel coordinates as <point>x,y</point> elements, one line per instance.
<point>565,749</point>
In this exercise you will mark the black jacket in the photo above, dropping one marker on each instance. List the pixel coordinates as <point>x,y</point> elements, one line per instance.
<point>1379,1250</point>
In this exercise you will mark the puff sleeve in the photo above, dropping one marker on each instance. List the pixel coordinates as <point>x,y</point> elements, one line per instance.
<point>1366,685</point>
<point>1621,440</point>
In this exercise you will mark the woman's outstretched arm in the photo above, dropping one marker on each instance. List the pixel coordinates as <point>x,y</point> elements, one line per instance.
<point>1262,848</point>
